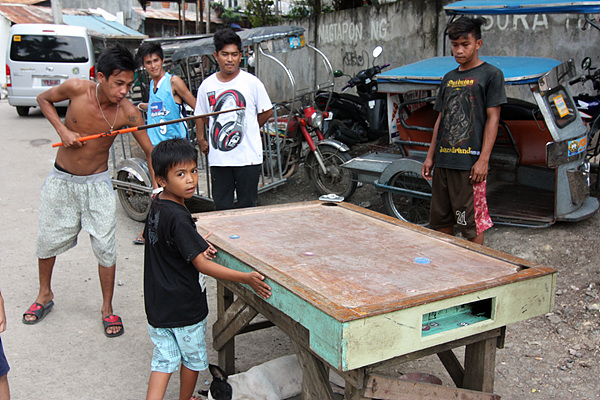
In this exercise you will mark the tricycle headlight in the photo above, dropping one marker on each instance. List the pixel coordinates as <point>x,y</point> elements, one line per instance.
<point>316,120</point>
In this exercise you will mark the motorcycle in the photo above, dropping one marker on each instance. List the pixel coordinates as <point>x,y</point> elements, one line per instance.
<point>298,137</point>
<point>588,106</point>
<point>356,118</point>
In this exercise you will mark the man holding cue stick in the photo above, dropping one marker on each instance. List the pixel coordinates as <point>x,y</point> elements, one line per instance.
<point>144,127</point>
<point>80,177</point>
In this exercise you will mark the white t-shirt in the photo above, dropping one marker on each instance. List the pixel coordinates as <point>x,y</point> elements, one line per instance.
<point>234,137</point>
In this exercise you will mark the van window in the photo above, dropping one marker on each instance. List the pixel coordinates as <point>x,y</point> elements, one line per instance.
<point>44,48</point>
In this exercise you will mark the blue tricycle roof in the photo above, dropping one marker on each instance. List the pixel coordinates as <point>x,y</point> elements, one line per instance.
<point>492,7</point>
<point>517,70</point>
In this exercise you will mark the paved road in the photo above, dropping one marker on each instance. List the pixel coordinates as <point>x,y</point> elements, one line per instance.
<point>66,356</point>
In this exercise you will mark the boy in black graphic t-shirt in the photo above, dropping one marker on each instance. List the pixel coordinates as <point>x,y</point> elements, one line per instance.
<point>176,259</point>
<point>469,103</point>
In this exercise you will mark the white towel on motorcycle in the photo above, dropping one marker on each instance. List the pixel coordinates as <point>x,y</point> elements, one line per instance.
<point>234,137</point>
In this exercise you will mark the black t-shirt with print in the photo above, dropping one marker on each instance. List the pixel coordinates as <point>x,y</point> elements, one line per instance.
<point>174,290</point>
<point>463,99</point>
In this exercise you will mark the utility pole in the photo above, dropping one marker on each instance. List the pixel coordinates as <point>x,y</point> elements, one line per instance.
<point>183,17</point>
<point>198,3</point>
<point>207,2</point>
<point>56,11</point>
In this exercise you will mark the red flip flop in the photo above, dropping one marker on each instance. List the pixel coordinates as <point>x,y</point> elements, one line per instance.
<point>39,311</point>
<point>113,320</point>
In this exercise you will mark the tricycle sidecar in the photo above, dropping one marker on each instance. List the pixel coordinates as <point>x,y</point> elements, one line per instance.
<point>538,174</point>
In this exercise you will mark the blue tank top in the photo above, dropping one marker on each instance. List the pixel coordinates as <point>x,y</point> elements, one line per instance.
<point>162,107</point>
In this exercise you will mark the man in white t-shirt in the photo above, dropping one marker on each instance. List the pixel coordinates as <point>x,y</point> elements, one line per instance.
<point>234,146</point>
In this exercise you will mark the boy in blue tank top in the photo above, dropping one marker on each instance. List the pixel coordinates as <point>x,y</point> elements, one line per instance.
<point>167,94</point>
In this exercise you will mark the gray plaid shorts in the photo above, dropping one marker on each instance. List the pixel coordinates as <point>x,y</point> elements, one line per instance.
<point>70,203</point>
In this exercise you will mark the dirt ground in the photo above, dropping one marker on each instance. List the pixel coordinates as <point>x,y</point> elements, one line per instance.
<point>554,356</point>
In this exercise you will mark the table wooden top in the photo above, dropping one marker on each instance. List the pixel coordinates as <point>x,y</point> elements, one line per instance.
<point>353,263</point>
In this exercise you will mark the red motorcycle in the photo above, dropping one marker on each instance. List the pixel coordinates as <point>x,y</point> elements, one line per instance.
<point>298,137</point>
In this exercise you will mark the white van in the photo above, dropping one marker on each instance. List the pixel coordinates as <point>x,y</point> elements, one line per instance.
<point>43,55</point>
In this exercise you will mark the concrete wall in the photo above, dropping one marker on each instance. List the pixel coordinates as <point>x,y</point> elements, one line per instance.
<point>407,31</point>
<point>541,35</point>
<point>410,30</point>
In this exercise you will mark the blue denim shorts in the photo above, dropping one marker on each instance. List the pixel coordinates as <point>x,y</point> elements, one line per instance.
<point>4,368</point>
<point>174,346</point>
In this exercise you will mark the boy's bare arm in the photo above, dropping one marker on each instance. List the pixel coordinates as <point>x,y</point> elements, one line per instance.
<point>428,164</point>
<point>479,171</point>
<point>202,142</point>
<point>264,116</point>
<point>179,88</point>
<point>65,91</point>
<point>254,279</point>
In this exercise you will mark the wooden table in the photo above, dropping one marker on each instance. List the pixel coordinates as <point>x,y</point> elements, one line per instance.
<point>358,291</point>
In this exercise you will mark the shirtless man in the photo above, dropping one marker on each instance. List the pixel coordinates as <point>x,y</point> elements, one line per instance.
<point>78,193</point>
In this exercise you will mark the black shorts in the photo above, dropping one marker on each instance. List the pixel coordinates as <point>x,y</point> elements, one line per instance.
<point>455,201</point>
<point>241,180</point>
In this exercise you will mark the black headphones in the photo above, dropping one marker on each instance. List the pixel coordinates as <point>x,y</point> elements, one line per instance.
<point>226,137</point>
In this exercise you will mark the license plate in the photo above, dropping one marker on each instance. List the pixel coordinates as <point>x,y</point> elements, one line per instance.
<point>50,82</point>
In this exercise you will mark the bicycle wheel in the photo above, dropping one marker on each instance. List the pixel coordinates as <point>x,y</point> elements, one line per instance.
<point>135,202</point>
<point>403,206</point>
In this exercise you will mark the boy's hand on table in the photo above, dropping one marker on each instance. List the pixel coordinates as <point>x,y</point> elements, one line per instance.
<point>211,252</point>
<point>256,282</point>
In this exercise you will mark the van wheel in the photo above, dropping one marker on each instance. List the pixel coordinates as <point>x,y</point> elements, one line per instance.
<point>23,111</point>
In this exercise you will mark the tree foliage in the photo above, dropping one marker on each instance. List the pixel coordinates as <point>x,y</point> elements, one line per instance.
<point>260,13</point>
<point>231,16</point>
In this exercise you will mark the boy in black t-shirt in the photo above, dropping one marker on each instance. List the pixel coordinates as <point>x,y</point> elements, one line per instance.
<point>469,103</point>
<point>176,261</point>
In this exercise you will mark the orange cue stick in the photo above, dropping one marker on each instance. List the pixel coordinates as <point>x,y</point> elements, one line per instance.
<point>144,127</point>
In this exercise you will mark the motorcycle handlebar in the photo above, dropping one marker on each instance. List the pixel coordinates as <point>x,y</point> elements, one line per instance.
<point>362,75</point>
<point>577,80</point>
<point>585,78</point>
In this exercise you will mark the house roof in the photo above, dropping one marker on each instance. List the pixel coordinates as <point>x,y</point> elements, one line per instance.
<point>24,14</point>
<point>170,15</point>
<point>29,2</point>
<point>97,25</point>
<point>108,29</point>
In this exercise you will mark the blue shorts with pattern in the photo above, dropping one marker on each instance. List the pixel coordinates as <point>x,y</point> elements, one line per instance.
<point>174,346</point>
<point>4,368</point>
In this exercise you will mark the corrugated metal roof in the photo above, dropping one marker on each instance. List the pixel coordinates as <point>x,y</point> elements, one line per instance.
<point>25,14</point>
<point>100,25</point>
<point>30,2</point>
<point>170,15</point>
<point>97,25</point>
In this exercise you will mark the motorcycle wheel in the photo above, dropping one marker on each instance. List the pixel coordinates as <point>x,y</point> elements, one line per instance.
<point>338,180</point>
<point>404,207</point>
<point>135,204</point>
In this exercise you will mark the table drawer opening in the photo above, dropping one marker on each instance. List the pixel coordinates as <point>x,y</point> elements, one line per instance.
<point>456,317</point>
